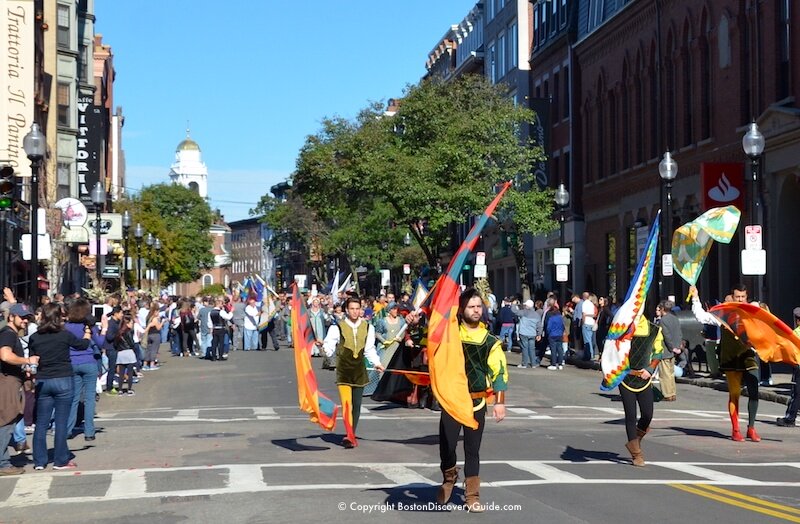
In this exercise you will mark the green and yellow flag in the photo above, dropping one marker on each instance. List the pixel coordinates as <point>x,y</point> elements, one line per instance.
<point>692,241</point>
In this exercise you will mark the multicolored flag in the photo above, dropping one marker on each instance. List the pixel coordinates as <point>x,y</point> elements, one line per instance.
<point>756,327</point>
<point>321,409</point>
<point>445,354</point>
<point>614,361</point>
<point>692,241</point>
<point>419,295</point>
<point>259,286</point>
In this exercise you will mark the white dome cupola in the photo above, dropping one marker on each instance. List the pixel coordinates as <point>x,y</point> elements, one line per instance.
<point>189,170</point>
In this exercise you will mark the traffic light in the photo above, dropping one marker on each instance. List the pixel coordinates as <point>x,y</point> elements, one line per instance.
<point>7,185</point>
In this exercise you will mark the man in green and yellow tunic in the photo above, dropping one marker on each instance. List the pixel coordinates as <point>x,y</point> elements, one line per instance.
<point>351,339</point>
<point>487,378</point>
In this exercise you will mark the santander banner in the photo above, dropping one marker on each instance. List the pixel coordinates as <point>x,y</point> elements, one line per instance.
<point>722,185</point>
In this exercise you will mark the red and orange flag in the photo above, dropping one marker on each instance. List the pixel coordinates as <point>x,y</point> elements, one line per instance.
<point>320,408</point>
<point>772,339</point>
<point>445,354</point>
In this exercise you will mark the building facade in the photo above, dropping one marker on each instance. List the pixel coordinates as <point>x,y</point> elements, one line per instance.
<point>250,252</point>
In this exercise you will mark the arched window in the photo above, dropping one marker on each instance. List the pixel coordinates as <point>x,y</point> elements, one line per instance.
<point>670,108</point>
<point>705,78</point>
<point>207,280</point>
<point>625,121</point>
<point>639,131</point>
<point>686,62</point>
<point>194,187</point>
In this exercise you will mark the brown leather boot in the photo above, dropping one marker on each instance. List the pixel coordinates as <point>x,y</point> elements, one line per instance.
<point>473,495</point>
<point>449,482</point>
<point>636,452</point>
<point>640,433</point>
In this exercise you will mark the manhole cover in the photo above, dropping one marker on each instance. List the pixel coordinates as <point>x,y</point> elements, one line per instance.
<point>214,435</point>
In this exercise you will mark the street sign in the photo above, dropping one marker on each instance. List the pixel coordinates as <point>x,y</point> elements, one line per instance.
<point>754,262</point>
<point>111,272</point>
<point>93,246</point>
<point>752,237</point>
<point>480,258</point>
<point>480,271</point>
<point>561,255</point>
<point>562,273</point>
<point>406,269</point>
<point>44,249</point>
<point>386,278</point>
<point>666,265</point>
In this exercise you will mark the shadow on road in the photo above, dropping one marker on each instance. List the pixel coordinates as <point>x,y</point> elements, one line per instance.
<point>694,432</point>
<point>293,445</point>
<point>584,455</point>
<point>427,440</point>
<point>420,497</point>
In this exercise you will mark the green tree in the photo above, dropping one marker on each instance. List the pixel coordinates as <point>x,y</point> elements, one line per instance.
<point>181,219</point>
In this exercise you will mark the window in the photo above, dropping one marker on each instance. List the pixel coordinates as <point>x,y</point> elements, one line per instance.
<point>492,65</point>
<point>501,55</point>
<point>63,25</point>
<point>513,45</point>
<point>565,96</point>
<point>556,94</point>
<point>784,42</point>
<point>63,172</point>
<point>490,11</point>
<point>83,65</point>
<point>208,280</point>
<point>554,17</point>
<point>686,62</point>
<point>563,13</point>
<point>611,265</point>
<point>536,26</point>
<point>595,13</point>
<point>63,96</point>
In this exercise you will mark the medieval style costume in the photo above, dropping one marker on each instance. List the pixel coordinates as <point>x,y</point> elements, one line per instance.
<point>487,377</point>
<point>645,354</point>
<point>351,342</point>
<point>740,363</point>
<point>410,389</point>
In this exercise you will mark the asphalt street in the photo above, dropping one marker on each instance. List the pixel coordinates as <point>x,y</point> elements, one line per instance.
<point>226,442</point>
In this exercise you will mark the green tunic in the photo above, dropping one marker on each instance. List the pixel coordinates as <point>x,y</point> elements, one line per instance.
<point>350,369</point>
<point>734,355</point>
<point>476,356</point>
<point>643,351</point>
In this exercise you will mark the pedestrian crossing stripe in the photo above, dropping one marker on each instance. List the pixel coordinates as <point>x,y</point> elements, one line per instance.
<point>388,412</point>
<point>35,489</point>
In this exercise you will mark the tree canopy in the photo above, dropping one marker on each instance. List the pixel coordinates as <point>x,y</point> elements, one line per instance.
<point>180,218</point>
<point>362,184</point>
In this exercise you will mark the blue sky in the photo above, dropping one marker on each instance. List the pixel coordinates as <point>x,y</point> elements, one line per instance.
<point>253,78</point>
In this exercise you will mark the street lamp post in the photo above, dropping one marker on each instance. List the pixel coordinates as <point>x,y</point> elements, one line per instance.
<point>138,233</point>
<point>99,200</point>
<point>157,246</point>
<point>668,170</point>
<point>562,201</point>
<point>126,228</point>
<point>753,145</point>
<point>35,147</point>
<point>149,240</point>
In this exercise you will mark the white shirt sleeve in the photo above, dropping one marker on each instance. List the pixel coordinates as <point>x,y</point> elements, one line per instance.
<point>703,316</point>
<point>332,340</point>
<point>225,314</point>
<point>369,348</point>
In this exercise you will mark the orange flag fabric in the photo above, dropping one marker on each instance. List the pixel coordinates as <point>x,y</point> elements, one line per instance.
<point>772,339</point>
<point>445,353</point>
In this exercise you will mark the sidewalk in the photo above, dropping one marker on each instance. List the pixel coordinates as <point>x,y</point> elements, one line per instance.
<point>778,392</point>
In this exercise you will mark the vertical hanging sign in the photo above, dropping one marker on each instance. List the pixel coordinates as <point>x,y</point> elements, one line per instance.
<point>90,140</point>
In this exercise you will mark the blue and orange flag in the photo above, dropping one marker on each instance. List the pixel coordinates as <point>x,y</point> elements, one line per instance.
<point>445,355</point>
<point>320,408</point>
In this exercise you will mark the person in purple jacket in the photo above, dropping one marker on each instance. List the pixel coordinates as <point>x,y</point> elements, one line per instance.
<point>84,367</point>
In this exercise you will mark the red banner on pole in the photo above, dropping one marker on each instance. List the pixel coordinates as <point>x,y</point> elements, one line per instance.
<point>723,184</point>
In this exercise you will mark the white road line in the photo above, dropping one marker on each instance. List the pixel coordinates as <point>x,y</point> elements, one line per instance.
<point>401,475</point>
<point>31,489</point>
<point>245,477</point>
<point>544,471</point>
<point>702,414</point>
<point>187,414</point>
<point>705,473</point>
<point>263,411</point>
<point>129,483</point>
<point>521,411</point>
<point>610,411</point>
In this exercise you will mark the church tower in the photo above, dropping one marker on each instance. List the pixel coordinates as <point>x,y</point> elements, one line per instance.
<point>189,170</point>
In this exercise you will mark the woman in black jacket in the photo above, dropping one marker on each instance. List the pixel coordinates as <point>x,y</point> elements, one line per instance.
<point>54,387</point>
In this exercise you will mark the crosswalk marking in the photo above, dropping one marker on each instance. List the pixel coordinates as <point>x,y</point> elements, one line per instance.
<point>387,412</point>
<point>545,471</point>
<point>129,483</point>
<point>706,473</point>
<point>35,488</point>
